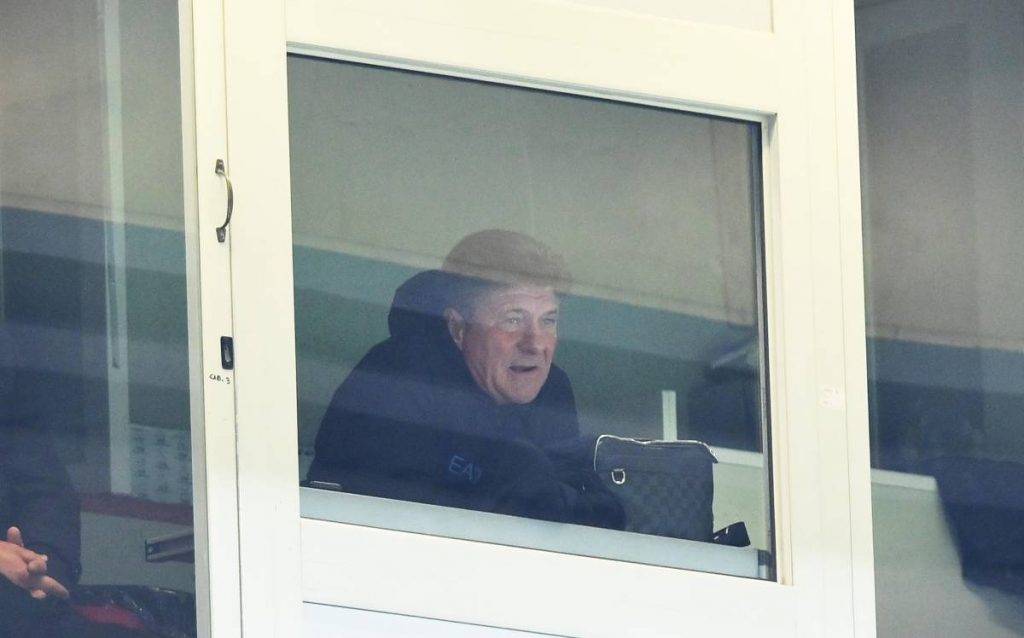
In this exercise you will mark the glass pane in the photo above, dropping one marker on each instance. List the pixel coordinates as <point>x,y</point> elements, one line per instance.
<point>448,235</point>
<point>942,152</point>
<point>95,453</point>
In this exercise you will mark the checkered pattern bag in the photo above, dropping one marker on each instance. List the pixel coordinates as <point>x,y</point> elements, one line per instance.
<point>666,487</point>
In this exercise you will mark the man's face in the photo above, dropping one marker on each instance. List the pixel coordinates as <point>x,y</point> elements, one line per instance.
<point>509,342</point>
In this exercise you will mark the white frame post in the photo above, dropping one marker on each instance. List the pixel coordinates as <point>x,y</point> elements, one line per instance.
<point>851,255</point>
<point>214,475</point>
<point>259,240</point>
<point>244,447</point>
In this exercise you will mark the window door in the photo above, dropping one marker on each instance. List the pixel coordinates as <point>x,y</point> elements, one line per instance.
<point>363,137</point>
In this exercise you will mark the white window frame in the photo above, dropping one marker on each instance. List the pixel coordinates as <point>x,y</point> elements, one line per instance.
<point>214,477</point>
<point>245,510</point>
<point>798,80</point>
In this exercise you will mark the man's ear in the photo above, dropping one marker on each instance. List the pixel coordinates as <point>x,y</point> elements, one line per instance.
<point>456,326</point>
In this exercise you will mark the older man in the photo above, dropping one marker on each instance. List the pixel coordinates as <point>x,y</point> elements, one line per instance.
<point>462,406</point>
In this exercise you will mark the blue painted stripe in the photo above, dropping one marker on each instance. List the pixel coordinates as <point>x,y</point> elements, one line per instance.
<point>589,320</point>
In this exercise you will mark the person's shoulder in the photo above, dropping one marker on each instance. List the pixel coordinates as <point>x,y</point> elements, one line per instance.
<point>552,415</point>
<point>415,356</point>
<point>558,387</point>
<point>558,377</point>
<point>397,377</point>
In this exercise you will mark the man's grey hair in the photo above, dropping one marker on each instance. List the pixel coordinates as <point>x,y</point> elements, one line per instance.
<point>490,260</point>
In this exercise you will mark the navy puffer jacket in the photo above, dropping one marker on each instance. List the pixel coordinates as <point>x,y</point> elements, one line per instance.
<point>410,423</point>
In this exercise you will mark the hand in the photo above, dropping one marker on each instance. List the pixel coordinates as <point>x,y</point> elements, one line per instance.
<point>27,569</point>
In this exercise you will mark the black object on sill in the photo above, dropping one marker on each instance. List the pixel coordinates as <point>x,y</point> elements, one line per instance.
<point>734,535</point>
<point>179,546</point>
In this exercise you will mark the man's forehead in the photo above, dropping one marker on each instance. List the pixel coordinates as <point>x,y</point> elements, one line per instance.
<point>534,298</point>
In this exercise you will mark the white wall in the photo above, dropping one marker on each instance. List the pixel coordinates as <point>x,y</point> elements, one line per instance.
<point>53,133</point>
<point>942,161</point>
<point>82,80</point>
<point>646,206</point>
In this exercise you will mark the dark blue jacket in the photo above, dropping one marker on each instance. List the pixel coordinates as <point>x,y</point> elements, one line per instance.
<point>410,423</point>
<point>35,492</point>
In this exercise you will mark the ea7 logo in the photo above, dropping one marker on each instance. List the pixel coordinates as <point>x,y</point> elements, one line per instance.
<point>464,469</point>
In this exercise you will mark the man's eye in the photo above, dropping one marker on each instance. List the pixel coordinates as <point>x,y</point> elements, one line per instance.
<point>512,322</point>
<point>550,321</point>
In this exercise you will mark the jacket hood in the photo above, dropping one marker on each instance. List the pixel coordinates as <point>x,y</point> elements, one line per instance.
<point>417,310</point>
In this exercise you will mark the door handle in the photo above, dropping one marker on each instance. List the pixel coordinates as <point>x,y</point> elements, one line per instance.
<point>222,230</point>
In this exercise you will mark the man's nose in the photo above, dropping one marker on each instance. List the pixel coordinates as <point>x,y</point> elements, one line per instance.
<point>529,338</point>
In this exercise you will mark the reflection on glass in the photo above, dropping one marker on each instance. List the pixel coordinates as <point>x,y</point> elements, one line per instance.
<point>499,290</point>
<point>942,154</point>
<point>95,453</point>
